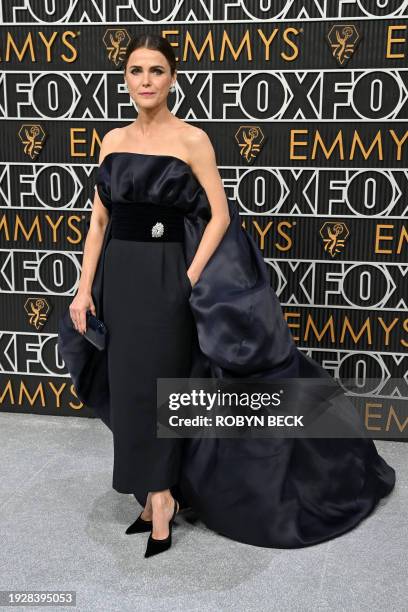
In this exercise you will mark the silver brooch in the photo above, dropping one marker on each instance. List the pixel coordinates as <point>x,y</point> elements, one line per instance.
<point>158,230</point>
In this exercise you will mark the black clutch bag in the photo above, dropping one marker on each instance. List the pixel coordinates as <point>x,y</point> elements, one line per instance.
<point>96,332</point>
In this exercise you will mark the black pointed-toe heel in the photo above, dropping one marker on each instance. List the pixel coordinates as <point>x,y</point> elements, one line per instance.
<point>139,526</point>
<point>155,546</point>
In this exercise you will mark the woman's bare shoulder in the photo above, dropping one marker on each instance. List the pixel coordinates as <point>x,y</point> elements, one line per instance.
<point>196,142</point>
<point>110,142</point>
<point>190,132</point>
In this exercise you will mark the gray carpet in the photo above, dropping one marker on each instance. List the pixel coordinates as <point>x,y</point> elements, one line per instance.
<point>63,529</point>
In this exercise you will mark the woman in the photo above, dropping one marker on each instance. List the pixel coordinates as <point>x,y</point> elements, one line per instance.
<point>176,245</point>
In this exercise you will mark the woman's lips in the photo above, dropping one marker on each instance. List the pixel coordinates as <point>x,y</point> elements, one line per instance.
<point>151,93</point>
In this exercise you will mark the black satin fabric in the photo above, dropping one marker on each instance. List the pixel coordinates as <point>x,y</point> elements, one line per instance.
<point>283,493</point>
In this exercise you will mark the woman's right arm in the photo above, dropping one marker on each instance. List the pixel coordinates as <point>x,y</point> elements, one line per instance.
<point>92,249</point>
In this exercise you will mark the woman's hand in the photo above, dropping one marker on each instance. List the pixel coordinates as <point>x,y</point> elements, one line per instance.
<point>192,279</point>
<point>77,310</point>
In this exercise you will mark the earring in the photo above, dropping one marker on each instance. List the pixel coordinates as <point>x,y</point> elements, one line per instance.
<point>172,88</point>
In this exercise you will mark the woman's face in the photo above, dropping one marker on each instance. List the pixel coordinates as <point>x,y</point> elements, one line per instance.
<point>148,71</point>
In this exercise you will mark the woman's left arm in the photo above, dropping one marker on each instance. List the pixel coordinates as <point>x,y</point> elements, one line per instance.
<point>204,165</point>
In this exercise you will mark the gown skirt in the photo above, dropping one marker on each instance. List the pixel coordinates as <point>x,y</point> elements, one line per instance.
<point>151,327</point>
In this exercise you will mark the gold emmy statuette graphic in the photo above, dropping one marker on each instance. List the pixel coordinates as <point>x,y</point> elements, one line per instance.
<point>331,232</point>
<point>250,138</point>
<point>116,41</point>
<point>38,310</point>
<point>33,137</point>
<point>343,40</point>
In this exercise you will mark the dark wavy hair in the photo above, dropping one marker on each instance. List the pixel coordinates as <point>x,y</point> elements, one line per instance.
<point>155,42</point>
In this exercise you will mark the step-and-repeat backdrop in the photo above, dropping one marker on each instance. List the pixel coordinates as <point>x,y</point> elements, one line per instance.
<point>306,104</point>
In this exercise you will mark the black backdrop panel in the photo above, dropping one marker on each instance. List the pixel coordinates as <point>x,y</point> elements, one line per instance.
<point>321,91</point>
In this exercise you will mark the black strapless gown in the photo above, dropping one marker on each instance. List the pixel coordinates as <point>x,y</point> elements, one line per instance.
<point>283,493</point>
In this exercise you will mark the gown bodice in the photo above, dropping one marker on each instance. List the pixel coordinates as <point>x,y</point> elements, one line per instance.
<point>138,178</point>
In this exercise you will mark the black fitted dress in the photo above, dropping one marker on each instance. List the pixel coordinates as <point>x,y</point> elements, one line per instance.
<point>283,493</point>
<point>150,323</point>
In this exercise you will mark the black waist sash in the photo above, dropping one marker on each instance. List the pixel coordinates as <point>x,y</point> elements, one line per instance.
<point>147,222</point>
